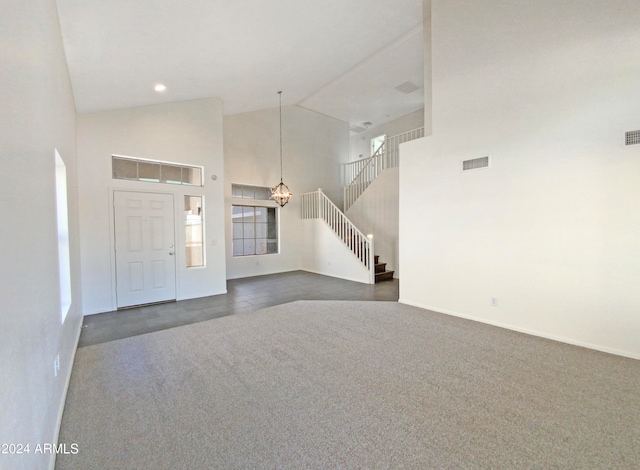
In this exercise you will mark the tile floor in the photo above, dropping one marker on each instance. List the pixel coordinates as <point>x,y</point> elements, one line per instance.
<point>242,295</point>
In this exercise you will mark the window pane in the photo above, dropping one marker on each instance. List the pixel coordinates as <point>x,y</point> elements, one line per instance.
<point>237,230</point>
<point>237,247</point>
<point>249,231</point>
<point>157,172</point>
<point>62,217</point>
<point>193,231</point>
<point>149,171</point>
<point>248,214</point>
<point>261,246</point>
<point>192,176</point>
<point>261,230</point>
<point>251,237</point>
<point>236,214</point>
<point>263,193</point>
<point>261,214</point>
<point>171,174</point>
<point>236,190</point>
<point>248,192</point>
<point>249,247</point>
<point>125,169</point>
<point>272,226</point>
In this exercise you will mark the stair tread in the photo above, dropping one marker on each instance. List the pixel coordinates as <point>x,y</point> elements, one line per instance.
<point>384,276</point>
<point>381,272</point>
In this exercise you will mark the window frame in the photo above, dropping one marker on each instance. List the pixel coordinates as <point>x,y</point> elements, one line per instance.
<point>242,187</point>
<point>264,202</point>
<point>150,164</point>
<point>253,203</point>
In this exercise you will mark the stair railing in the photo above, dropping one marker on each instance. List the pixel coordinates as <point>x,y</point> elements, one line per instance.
<point>393,145</point>
<point>387,156</point>
<point>372,167</point>
<point>316,205</point>
<point>352,169</point>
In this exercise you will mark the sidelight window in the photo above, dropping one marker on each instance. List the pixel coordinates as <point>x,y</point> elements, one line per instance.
<point>193,218</point>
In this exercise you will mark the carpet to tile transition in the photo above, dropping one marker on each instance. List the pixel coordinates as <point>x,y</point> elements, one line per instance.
<point>315,384</point>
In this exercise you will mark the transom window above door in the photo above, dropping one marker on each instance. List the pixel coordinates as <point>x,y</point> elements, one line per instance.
<point>126,168</point>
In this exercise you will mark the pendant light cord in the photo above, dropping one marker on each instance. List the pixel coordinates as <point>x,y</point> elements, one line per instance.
<point>280,94</point>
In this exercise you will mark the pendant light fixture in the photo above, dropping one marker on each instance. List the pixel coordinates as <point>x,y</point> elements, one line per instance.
<point>281,193</point>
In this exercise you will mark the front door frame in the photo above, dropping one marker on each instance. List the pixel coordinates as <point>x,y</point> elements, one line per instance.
<point>112,239</point>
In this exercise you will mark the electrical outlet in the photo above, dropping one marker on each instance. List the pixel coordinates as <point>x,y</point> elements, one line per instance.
<point>494,301</point>
<point>56,365</point>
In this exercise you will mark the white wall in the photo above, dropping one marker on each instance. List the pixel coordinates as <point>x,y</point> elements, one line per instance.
<point>188,132</point>
<point>325,253</point>
<point>314,147</point>
<point>551,229</point>
<point>37,115</point>
<point>427,90</point>
<point>360,144</point>
<point>376,212</point>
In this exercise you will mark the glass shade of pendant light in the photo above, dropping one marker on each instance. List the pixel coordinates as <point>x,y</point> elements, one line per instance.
<point>281,193</point>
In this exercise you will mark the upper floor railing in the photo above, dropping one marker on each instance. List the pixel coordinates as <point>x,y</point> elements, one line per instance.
<point>392,145</point>
<point>361,173</point>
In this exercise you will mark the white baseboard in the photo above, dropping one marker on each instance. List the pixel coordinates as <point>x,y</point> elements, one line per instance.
<point>52,461</point>
<point>583,344</point>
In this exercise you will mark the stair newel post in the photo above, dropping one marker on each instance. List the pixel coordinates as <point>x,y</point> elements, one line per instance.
<point>372,266</point>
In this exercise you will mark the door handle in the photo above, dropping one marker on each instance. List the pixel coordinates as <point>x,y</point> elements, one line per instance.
<point>171,252</point>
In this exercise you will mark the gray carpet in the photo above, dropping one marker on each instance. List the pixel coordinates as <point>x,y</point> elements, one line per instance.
<point>333,384</point>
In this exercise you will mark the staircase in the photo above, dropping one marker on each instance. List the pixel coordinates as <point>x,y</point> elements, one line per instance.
<point>316,205</point>
<point>361,173</point>
<point>381,273</point>
<point>356,259</point>
<point>376,210</point>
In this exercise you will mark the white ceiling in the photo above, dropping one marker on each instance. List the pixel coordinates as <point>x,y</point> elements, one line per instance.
<point>341,58</point>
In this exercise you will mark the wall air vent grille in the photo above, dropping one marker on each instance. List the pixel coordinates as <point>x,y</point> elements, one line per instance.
<point>632,138</point>
<point>407,87</point>
<point>475,164</point>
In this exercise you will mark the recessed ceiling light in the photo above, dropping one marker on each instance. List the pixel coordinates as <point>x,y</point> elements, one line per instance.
<point>160,88</point>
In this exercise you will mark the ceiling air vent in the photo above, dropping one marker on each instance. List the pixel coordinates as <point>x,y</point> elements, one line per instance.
<point>632,138</point>
<point>407,87</point>
<point>475,164</point>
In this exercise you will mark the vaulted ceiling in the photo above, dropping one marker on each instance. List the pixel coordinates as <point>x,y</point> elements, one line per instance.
<point>342,58</point>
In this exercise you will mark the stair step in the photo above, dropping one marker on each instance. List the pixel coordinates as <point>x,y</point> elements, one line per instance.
<point>384,276</point>
<point>375,259</point>
<point>381,267</point>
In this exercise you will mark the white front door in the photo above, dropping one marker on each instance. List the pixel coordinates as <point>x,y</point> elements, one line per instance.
<point>145,248</point>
